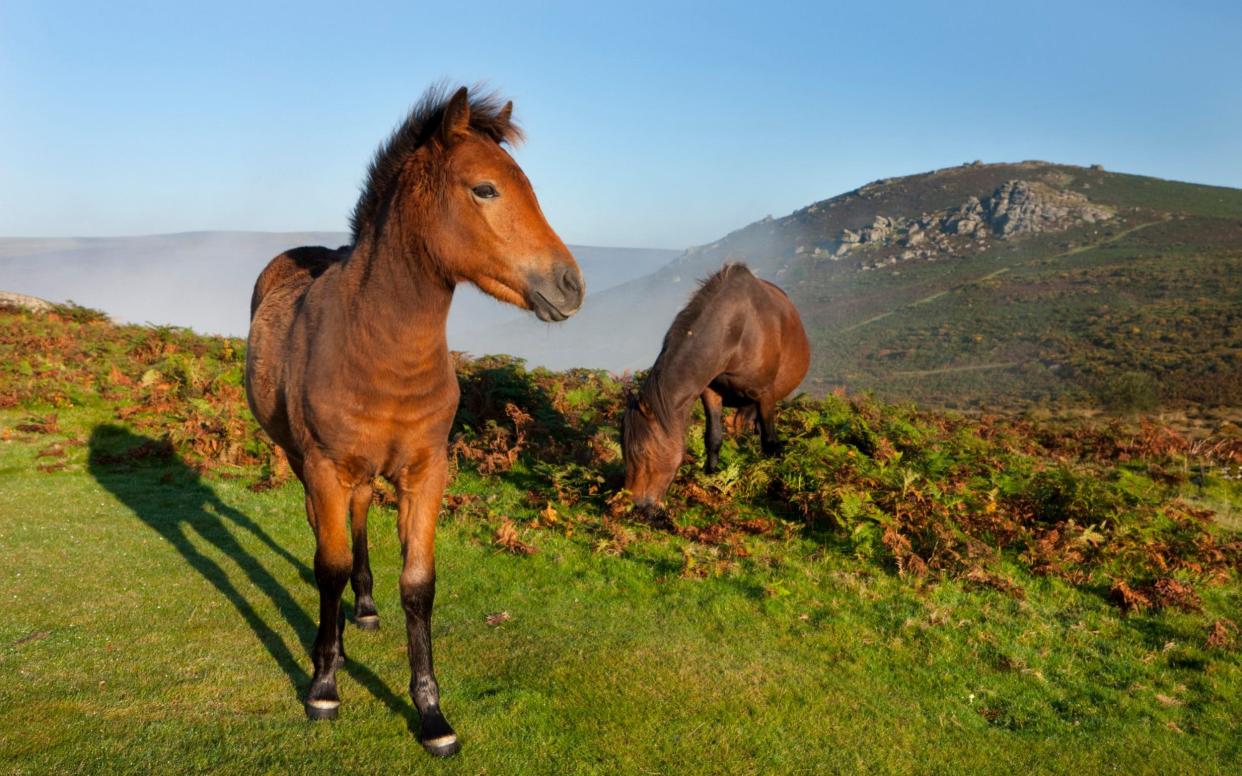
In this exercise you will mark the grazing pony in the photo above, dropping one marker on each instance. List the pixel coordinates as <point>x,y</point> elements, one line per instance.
<point>349,373</point>
<point>738,343</point>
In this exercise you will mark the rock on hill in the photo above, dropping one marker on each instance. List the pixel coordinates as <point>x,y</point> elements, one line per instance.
<point>12,301</point>
<point>994,284</point>
<point>1016,208</point>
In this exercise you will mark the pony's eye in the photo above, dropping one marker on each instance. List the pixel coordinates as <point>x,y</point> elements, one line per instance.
<point>485,191</point>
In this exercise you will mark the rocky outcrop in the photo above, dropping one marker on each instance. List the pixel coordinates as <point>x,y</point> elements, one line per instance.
<point>1025,207</point>
<point>1017,208</point>
<point>970,218</point>
<point>12,301</point>
<point>880,230</point>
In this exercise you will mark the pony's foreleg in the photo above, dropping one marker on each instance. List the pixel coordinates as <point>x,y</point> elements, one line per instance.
<point>713,429</point>
<point>327,501</point>
<point>766,417</point>
<point>365,614</point>
<point>420,489</point>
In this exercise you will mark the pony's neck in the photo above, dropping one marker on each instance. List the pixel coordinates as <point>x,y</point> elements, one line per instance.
<point>400,300</point>
<point>669,400</point>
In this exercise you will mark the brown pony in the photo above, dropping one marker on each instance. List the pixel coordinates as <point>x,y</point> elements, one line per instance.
<point>349,372</point>
<point>738,343</point>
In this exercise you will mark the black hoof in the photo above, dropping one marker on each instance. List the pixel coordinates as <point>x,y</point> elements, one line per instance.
<point>444,746</point>
<point>367,622</point>
<point>321,710</point>
<point>437,735</point>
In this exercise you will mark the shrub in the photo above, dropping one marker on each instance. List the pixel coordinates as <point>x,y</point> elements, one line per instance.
<point>1129,392</point>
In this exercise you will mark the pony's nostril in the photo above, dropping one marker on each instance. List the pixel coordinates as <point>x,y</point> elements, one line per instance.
<point>569,283</point>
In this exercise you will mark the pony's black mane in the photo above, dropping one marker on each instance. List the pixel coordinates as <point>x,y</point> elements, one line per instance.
<point>652,390</point>
<point>486,116</point>
<point>708,289</point>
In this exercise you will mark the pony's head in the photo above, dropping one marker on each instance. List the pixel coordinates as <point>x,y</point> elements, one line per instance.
<point>472,209</point>
<point>652,454</point>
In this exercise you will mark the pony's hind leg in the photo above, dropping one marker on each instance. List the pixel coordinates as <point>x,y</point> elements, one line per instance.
<point>743,419</point>
<point>327,502</point>
<point>713,429</point>
<point>366,616</point>
<point>420,489</point>
<point>766,417</point>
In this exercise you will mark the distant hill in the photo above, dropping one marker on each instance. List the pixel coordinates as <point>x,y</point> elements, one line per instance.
<point>985,284</point>
<point>203,279</point>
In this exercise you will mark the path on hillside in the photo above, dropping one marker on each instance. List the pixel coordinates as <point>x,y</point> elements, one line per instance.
<point>1003,270</point>
<point>949,369</point>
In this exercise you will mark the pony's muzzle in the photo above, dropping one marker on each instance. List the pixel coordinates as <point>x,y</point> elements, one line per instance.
<point>651,512</point>
<point>557,295</point>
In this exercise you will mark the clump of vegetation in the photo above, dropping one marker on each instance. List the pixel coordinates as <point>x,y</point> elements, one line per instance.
<point>72,311</point>
<point>164,380</point>
<point>1130,392</point>
<point>1099,504</point>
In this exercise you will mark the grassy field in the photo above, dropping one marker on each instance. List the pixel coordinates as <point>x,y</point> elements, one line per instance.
<point>899,593</point>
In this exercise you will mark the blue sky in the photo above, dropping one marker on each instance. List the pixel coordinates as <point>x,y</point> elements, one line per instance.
<point>659,125</point>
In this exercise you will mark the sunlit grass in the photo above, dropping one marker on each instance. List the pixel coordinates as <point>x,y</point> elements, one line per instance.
<point>129,648</point>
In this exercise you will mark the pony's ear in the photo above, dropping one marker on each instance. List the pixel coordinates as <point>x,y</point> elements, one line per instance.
<point>505,117</point>
<point>456,121</point>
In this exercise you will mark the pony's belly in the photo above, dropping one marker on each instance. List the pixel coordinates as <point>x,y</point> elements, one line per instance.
<point>734,391</point>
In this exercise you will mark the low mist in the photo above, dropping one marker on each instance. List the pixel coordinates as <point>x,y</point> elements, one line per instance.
<point>203,281</point>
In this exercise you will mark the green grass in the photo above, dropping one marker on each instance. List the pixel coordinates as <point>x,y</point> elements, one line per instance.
<point>1157,194</point>
<point>155,620</point>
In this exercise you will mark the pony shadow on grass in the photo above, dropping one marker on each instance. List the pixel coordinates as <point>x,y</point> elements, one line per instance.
<point>173,500</point>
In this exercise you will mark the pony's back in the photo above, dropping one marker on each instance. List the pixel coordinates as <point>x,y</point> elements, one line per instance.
<point>295,267</point>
